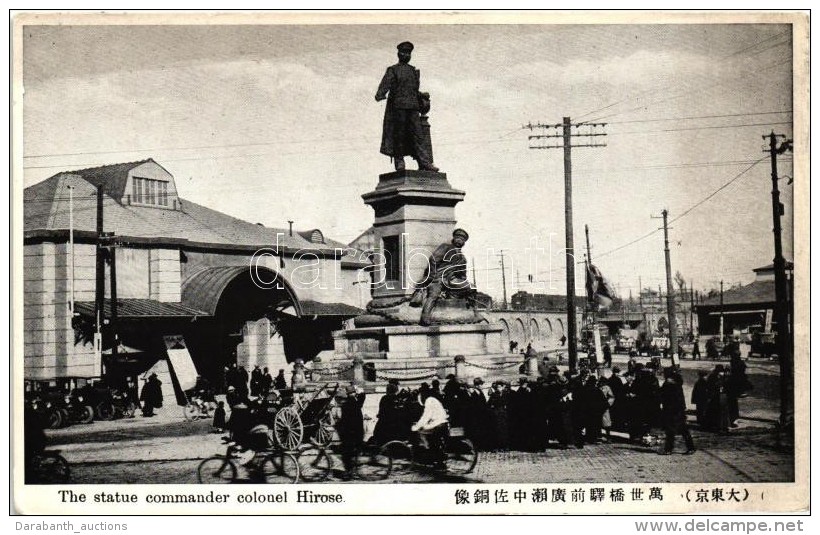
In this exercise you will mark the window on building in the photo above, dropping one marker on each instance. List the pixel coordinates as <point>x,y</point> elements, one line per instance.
<point>150,191</point>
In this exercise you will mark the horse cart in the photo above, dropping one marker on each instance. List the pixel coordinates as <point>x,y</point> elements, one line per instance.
<point>305,417</point>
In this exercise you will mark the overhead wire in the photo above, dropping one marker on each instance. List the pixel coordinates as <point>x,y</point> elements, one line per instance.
<point>655,90</point>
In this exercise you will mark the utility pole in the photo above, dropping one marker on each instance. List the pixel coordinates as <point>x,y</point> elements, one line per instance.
<point>783,336</point>
<point>692,307</point>
<point>670,291</point>
<point>475,284</point>
<point>591,131</point>
<point>587,264</point>
<point>99,294</point>
<point>111,248</point>
<point>640,296</point>
<point>503,281</point>
<point>71,248</point>
<point>721,312</point>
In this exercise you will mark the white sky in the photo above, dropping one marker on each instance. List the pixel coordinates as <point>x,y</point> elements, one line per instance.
<point>270,123</point>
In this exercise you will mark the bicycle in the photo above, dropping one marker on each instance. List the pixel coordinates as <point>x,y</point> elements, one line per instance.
<point>316,462</point>
<point>197,409</point>
<point>461,457</point>
<point>266,466</point>
<point>47,467</point>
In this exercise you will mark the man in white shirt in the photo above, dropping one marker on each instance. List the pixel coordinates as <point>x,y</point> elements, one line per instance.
<point>432,427</point>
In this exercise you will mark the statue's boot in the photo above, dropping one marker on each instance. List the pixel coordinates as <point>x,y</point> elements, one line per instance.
<point>425,166</point>
<point>399,162</point>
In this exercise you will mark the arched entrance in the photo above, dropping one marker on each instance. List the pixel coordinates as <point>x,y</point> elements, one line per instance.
<point>505,334</point>
<point>519,334</point>
<point>535,332</point>
<point>240,302</point>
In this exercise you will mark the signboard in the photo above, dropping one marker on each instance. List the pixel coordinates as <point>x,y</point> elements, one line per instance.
<point>768,325</point>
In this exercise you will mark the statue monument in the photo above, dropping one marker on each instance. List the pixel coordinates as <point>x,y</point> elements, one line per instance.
<point>422,304</point>
<point>405,132</point>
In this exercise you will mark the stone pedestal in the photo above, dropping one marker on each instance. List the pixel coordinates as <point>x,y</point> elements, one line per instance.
<point>414,213</point>
<point>416,341</point>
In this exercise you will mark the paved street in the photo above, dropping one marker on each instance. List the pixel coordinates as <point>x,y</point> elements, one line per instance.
<point>167,449</point>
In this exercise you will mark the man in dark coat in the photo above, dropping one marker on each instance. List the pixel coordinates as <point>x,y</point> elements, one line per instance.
<point>559,419</point>
<point>520,413</point>
<point>267,382</point>
<point>618,388</point>
<point>607,356</point>
<point>674,412</point>
<point>700,398</point>
<point>351,428</point>
<point>151,395</point>
<point>389,424</point>
<point>280,383</point>
<point>402,133</point>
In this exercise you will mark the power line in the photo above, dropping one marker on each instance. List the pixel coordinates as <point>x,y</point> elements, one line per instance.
<point>655,90</point>
<point>691,117</point>
<point>712,127</point>
<point>683,214</point>
<point>685,93</point>
<point>724,186</point>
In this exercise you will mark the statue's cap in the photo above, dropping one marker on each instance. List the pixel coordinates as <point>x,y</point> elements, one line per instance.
<point>461,232</point>
<point>406,46</point>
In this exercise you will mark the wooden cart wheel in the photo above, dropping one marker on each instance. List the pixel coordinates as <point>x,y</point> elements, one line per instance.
<point>324,431</point>
<point>288,428</point>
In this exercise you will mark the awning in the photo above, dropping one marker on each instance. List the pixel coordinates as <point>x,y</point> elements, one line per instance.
<point>141,309</point>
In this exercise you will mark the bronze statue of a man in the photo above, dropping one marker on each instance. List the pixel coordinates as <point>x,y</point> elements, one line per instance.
<point>402,133</point>
<point>446,272</point>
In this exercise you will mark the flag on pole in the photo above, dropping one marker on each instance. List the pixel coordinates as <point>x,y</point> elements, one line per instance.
<point>599,291</point>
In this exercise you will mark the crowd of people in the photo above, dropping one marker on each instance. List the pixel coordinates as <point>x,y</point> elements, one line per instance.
<point>567,410</point>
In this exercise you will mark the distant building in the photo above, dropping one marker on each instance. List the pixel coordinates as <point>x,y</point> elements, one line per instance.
<point>183,272</point>
<point>748,308</point>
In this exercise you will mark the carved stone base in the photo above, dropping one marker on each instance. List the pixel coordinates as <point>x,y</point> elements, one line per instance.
<point>416,341</point>
<point>446,312</point>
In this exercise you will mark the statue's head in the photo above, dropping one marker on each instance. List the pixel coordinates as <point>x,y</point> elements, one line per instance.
<point>405,51</point>
<point>460,237</point>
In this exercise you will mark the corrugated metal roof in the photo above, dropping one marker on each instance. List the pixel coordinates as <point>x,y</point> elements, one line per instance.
<point>770,267</point>
<point>203,290</point>
<point>141,308</point>
<point>46,208</point>
<point>754,293</point>
<point>113,177</point>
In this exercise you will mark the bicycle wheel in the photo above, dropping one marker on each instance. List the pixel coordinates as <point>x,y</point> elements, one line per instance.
<point>288,428</point>
<point>461,456</point>
<point>314,465</point>
<point>216,470</point>
<point>105,411</point>
<point>191,411</point>
<point>373,466</point>
<point>280,467</point>
<point>51,468</point>
<point>324,431</point>
<point>400,453</point>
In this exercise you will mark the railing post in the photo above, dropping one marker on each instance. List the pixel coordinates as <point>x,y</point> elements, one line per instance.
<point>358,370</point>
<point>461,367</point>
<point>298,380</point>
<point>318,369</point>
<point>532,366</point>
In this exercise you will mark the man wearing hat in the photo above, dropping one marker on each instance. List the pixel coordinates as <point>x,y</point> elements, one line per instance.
<point>446,270</point>
<point>151,395</point>
<point>402,133</point>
